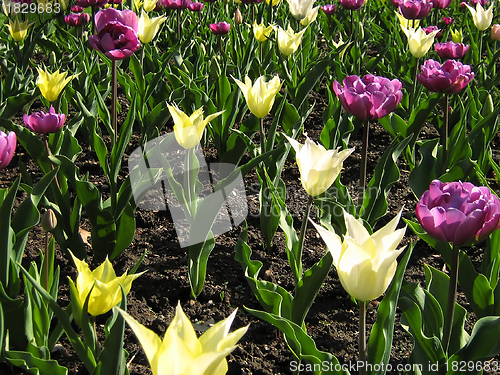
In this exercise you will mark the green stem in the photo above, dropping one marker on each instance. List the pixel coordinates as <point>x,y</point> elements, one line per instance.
<point>302,235</point>
<point>96,340</point>
<point>352,24</point>
<point>262,139</point>
<point>364,158</point>
<point>179,25</point>
<point>444,131</point>
<point>190,193</point>
<point>414,90</point>
<point>114,99</point>
<point>362,336</point>
<point>452,298</point>
<point>480,47</point>
<point>46,263</point>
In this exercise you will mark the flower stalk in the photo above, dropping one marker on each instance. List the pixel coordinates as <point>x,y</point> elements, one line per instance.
<point>362,336</point>
<point>444,131</point>
<point>452,298</point>
<point>114,98</point>
<point>364,158</point>
<point>303,228</point>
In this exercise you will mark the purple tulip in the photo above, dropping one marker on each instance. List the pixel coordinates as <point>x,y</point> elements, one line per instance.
<point>448,20</point>
<point>451,77</point>
<point>91,3</point>
<point>77,19</point>
<point>220,28</point>
<point>441,4</point>
<point>176,4</point>
<point>415,9</point>
<point>251,1</point>
<point>77,8</point>
<point>352,4</point>
<point>116,33</point>
<point>41,122</point>
<point>369,98</point>
<point>328,9</point>
<point>430,29</point>
<point>8,144</point>
<point>458,212</point>
<point>451,50</point>
<point>196,7</point>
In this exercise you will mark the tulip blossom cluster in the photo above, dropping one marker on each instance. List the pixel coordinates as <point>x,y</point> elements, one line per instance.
<point>8,144</point>
<point>451,50</point>
<point>450,78</point>
<point>41,122</point>
<point>369,98</point>
<point>458,212</point>
<point>77,19</point>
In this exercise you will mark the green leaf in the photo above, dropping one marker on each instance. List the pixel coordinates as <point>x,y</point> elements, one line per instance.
<point>197,264</point>
<point>37,366</point>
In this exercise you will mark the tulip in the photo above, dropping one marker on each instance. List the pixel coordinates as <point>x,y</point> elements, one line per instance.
<point>458,212</point>
<point>495,32</point>
<point>448,20</point>
<point>441,4</point>
<point>289,41</point>
<point>18,30</point>
<point>248,2</point>
<point>451,50</point>
<point>91,3</point>
<point>310,17</point>
<point>220,28</point>
<point>116,33</point>
<point>352,4</point>
<point>77,8</point>
<point>365,263</point>
<point>238,18</point>
<point>51,85</point>
<point>318,167</point>
<point>8,144</point>
<point>188,130</point>
<point>370,98</point>
<point>456,36</point>
<point>148,27</point>
<point>181,351</point>
<point>418,41</point>
<point>48,220</point>
<point>40,122</point>
<point>430,29</point>
<point>176,4</point>
<point>404,23</point>
<point>260,96</point>
<point>275,2</point>
<point>77,19</point>
<point>415,9</point>
<point>196,7</point>
<point>450,78</point>
<point>328,9</point>
<point>300,8</point>
<point>261,32</point>
<point>149,5</point>
<point>103,282</point>
<point>482,18</point>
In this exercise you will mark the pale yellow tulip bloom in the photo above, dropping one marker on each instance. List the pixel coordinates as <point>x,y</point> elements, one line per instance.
<point>300,8</point>
<point>365,263</point>
<point>149,5</point>
<point>181,352</point>
<point>148,27</point>
<point>51,85</point>
<point>275,2</point>
<point>482,18</point>
<point>105,285</point>
<point>260,96</point>
<point>18,30</point>
<point>261,32</point>
<point>289,41</point>
<point>418,41</point>
<point>405,23</point>
<point>310,17</point>
<point>189,129</point>
<point>318,167</point>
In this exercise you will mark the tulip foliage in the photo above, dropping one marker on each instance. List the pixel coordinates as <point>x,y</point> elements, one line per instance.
<point>146,88</point>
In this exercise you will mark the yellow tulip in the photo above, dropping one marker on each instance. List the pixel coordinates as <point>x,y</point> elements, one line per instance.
<point>405,23</point>
<point>365,263</point>
<point>418,41</point>
<point>103,282</point>
<point>456,36</point>
<point>260,96</point>
<point>261,32</point>
<point>318,167</point>
<point>18,30</point>
<point>181,352</point>
<point>482,18</point>
<point>188,130</point>
<point>310,17</point>
<point>148,27</point>
<point>275,2</point>
<point>137,5</point>
<point>289,41</point>
<point>51,85</point>
<point>149,5</point>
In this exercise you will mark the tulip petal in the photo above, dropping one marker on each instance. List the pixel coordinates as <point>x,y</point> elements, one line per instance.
<point>332,241</point>
<point>355,229</point>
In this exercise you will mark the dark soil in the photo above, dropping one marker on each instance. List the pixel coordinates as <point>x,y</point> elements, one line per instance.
<point>332,320</point>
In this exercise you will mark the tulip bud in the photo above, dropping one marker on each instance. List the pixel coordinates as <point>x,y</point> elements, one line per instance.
<point>456,36</point>
<point>238,19</point>
<point>495,32</point>
<point>48,220</point>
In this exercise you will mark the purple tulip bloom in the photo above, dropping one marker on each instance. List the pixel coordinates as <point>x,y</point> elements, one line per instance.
<point>458,212</point>
<point>415,9</point>
<point>448,20</point>
<point>369,98</point>
<point>328,9</point>
<point>196,7</point>
<point>41,122</point>
<point>451,77</point>
<point>176,4</point>
<point>441,4</point>
<point>251,1</point>
<point>430,29</point>
<point>451,50</point>
<point>77,19</point>
<point>116,33</point>
<point>352,4</point>
<point>77,8</point>
<point>91,3</point>
<point>220,28</point>
<point>8,144</point>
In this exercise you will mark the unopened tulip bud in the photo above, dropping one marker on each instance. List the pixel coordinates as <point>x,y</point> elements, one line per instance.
<point>48,220</point>
<point>238,19</point>
<point>495,32</point>
<point>456,36</point>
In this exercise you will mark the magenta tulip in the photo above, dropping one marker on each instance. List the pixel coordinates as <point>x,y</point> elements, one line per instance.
<point>328,9</point>
<point>176,4</point>
<point>441,4</point>
<point>196,7</point>
<point>41,122</point>
<point>451,50</point>
<point>116,33</point>
<point>77,19</point>
<point>430,29</point>
<point>77,8</point>
<point>8,144</point>
<point>448,20</point>
<point>415,9</point>
<point>91,3</point>
<point>220,28</point>
<point>451,77</point>
<point>369,98</point>
<point>352,4</point>
<point>458,212</point>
